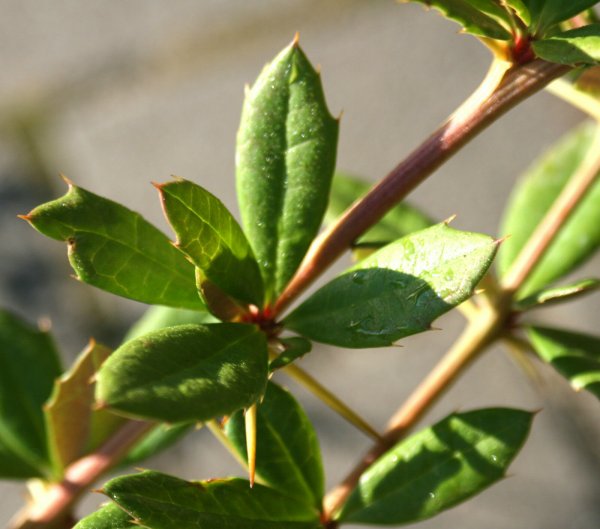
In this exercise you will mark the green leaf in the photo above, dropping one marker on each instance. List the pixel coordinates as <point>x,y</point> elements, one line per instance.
<point>162,437</point>
<point>108,517</point>
<point>398,222</point>
<point>574,47</point>
<point>159,501</point>
<point>547,13</point>
<point>286,149</point>
<point>288,456</point>
<point>397,291</point>
<point>29,364</point>
<point>115,249</point>
<point>294,348</point>
<point>438,467</point>
<point>209,235</point>
<point>186,373</point>
<point>484,18</point>
<point>68,413</point>
<point>579,236</point>
<point>574,355</point>
<point>520,9</point>
<point>551,296</point>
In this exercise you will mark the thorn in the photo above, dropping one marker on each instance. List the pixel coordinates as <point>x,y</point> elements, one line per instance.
<point>246,90</point>
<point>250,423</point>
<point>479,291</point>
<point>341,115</point>
<point>44,324</point>
<point>449,219</point>
<point>66,180</point>
<point>27,217</point>
<point>432,328</point>
<point>501,240</point>
<point>98,491</point>
<point>296,41</point>
<point>156,185</point>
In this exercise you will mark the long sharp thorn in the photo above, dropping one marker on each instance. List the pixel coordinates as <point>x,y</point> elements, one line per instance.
<point>250,423</point>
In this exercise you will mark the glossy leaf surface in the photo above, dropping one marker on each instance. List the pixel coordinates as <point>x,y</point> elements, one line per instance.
<point>212,239</point>
<point>438,467</point>
<point>28,366</point>
<point>288,456</point>
<point>562,293</point>
<point>398,222</point>
<point>575,47</point>
<point>575,355</point>
<point>69,411</point>
<point>286,150</point>
<point>578,238</point>
<point>110,516</point>
<point>485,18</point>
<point>546,13</point>
<point>186,373</point>
<point>115,249</point>
<point>295,347</point>
<point>397,291</point>
<point>159,501</point>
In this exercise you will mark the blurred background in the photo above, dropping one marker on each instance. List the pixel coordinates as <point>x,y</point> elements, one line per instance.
<point>118,94</point>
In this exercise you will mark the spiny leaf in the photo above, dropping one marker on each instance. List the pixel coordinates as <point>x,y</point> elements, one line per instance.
<point>186,373</point>
<point>115,249</point>
<point>438,467</point>
<point>209,235</point>
<point>575,47</point>
<point>286,149</point>
<point>562,293</point>
<point>397,291</point>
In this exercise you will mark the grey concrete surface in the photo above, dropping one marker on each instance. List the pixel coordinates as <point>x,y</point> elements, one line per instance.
<point>118,94</point>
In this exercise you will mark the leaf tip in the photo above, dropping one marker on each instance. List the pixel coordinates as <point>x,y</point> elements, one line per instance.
<point>28,217</point>
<point>296,40</point>
<point>67,180</point>
<point>449,219</point>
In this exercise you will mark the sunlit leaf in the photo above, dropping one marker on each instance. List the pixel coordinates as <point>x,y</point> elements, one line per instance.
<point>552,295</point>
<point>110,516</point>
<point>575,47</point>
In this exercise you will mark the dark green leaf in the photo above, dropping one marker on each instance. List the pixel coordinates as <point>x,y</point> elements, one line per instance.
<point>212,239</point>
<point>186,373</point>
<point>28,366</point>
<point>574,47</point>
<point>550,296</point>
<point>69,412</point>
<point>286,149</point>
<point>578,238</point>
<point>108,517</point>
<point>163,436</point>
<point>438,467</point>
<point>159,501</point>
<point>288,457</point>
<point>485,18</point>
<point>398,222</point>
<point>576,356</point>
<point>294,348</point>
<point>397,291</point>
<point>547,13</point>
<point>115,249</point>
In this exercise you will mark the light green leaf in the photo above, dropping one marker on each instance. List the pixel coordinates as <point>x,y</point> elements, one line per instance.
<point>163,436</point>
<point>286,149</point>
<point>115,249</point>
<point>68,413</point>
<point>109,516</point>
<point>397,291</point>
<point>576,356</point>
<point>547,13</point>
<point>438,467</point>
<point>485,18</point>
<point>575,47</point>
<point>578,238</point>
<point>29,364</point>
<point>159,501</point>
<point>288,456</point>
<point>550,296</point>
<point>186,373</point>
<point>213,240</point>
<point>398,222</point>
<point>294,348</point>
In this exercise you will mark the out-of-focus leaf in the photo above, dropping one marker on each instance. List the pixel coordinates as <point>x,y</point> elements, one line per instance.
<point>68,413</point>
<point>295,347</point>
<point>29,364</point>
<point>438,467</point>
<point>110,516</point>
<point>574,355</point>
<point>578,238</point>
<point>575,47</point>
<point>520,8</point>
<point>398,222</point>
<point>288,456</point>
<point>213,240</point>
<point>115,249</point>
<point>159,501</point>
<point>163,436</point>
<point>397,291</point>
<point>546,13</point>
<point>186,373</point>
<point>286,150</point>
<point>550,296</point>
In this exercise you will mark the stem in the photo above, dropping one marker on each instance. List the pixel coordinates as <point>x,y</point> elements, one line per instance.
<point>501,90</point>
<point>477,336</point>
<point>562,208</point>
<point>56,504</point>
